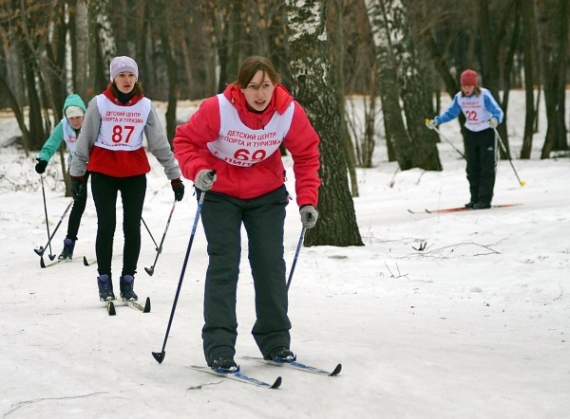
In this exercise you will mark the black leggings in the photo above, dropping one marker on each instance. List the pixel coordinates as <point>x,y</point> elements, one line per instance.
<point>480,150</point>
<point>104,189</point>
<point>77,211</point>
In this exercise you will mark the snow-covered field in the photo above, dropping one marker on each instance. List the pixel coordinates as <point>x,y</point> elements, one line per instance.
<point>476,325</point>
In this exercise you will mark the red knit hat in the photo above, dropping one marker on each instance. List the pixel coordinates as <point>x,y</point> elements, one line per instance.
<point>469,78</point>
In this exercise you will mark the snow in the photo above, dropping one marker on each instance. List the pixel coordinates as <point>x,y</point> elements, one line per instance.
<point>475,325</point>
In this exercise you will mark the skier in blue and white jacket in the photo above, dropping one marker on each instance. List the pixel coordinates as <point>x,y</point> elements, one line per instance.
<point>482,114</point>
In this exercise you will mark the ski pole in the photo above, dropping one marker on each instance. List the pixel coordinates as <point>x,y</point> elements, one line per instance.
<point>150,234</point>
<point>497,136</point>
<point>150,270</point>
<point>444,137</point>
<point>296,257</point>
<point>159,356</point>
<point>42,249</point>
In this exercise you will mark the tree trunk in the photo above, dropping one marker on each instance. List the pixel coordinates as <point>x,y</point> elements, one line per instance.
<point>80,62</point>
<point>18,112</point>
<point>310,70</point>
<point>553,29</point>
<point>53,68</point>
<point>102,46</point>
<point>529,46</point>
<point>413,88</point>
<point>337,65</point>
<point>171,67</point>
<point>35,121</point>
<point>396,132</point>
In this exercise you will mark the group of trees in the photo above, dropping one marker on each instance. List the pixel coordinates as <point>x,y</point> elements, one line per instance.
<point>400,55</point>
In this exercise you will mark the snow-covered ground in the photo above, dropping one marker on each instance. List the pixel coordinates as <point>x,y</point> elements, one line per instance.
<point>476,325</point>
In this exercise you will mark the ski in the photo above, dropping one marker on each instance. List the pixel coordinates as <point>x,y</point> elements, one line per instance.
<point>459,209</point>
<point>297,366</point>
<point>144,308</point>
<point>43,264</point>
<point>238,376</point>
<point>110,307</point>
<point>138,306</point>
<point>462,209</point>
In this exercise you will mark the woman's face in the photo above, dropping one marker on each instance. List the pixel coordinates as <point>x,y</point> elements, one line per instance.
<point>259,91</point>
<point>468,90</point>
<point>125,82</point>
<point>76,122</point>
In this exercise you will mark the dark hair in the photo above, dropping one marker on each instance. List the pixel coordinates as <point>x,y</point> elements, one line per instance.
<point>137,90</point>
<point>251,65</point>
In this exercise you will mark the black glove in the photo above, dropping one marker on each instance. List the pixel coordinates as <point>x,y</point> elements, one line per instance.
<point>178,188</point>
<point>78,187</point>
<point>41,166</point>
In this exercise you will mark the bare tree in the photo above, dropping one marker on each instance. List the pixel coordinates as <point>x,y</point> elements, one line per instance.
<point>553,16</point>
<point>80,66</point>
<point>529,48</point>
<point>337,65</point>
<point>399,80</point>
<point>102,47</point>
<point>161,19</point>
<point>310,69</point>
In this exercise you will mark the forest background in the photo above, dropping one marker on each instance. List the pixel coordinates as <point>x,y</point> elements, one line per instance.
<point>398,56</point>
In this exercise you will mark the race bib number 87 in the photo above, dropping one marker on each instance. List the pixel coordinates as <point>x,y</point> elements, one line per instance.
<point>122,134</point>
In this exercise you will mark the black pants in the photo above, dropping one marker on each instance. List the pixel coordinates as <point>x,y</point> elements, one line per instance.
<point>77,211</point>
<point>263,219</point>
<point>105,189</point>
<point>480,148</point>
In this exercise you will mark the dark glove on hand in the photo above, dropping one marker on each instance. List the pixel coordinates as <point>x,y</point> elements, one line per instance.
<point>41,166</point>
<point>178,188</point>
<point>309,216</point>
<point>78,187</point>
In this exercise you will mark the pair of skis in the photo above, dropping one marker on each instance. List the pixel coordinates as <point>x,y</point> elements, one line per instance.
<point>243,378</point>
<point>58,261</point>
<point>459,209</point>
<point>110,305</point>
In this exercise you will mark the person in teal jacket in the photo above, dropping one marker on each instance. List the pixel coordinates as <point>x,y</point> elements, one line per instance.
<point>67,130</point>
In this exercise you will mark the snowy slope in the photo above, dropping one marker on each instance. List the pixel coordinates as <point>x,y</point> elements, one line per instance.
<point>476,325</point>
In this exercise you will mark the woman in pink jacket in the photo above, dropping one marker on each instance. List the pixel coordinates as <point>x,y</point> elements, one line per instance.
<point>230,148</point>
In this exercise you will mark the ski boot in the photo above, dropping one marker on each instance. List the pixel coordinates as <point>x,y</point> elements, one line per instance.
<point>67,252</point>
<point>127,285</point>
<point>105,288</point>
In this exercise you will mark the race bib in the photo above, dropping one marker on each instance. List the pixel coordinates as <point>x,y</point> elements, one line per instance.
<point>122,127</point>
<point>240,145</point>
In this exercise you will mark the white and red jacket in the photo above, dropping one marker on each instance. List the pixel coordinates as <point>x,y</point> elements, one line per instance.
<point>111,139</point>
<point>242,146</point>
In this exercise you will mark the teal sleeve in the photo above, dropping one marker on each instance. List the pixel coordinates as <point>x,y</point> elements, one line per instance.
<point>52,143</point>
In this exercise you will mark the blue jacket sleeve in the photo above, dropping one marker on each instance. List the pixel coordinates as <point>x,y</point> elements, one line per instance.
<point>450,113</point>
<point>492,106</point>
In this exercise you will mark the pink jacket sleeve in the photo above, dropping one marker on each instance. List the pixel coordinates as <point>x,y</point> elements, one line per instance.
<point>191,138</point>
<point>302,141</point>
